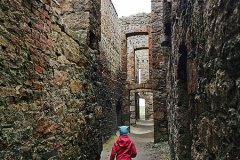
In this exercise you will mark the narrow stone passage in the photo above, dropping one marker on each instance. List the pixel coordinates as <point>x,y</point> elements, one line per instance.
<point>71,71</point>
<point>142,136</point>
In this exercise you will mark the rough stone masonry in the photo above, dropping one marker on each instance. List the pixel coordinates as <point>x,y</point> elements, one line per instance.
<point>159,72</point>
<point>60,78</point>
<point>203,78</point>
<point>111,88</point>
<point>68,76</point>
<point>48,106</point>
<point>136,65</point>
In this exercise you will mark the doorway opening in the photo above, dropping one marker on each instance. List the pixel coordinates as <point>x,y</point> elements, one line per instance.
<point>119,113</point>
<point>142,108</point>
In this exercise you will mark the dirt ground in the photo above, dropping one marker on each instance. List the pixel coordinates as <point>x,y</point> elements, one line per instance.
<point>146,149</point>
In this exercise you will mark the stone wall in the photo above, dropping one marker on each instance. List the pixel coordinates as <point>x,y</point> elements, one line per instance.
<point>142,63</point>
<point>48,107</point>
<point>83,16</point>
<point>135,36</point>
<point>110,39</point>
<point>135,23</point>
<point>111,86</point>
<point>203,97</point>
<point>159,69</point>
<point>135,45</point>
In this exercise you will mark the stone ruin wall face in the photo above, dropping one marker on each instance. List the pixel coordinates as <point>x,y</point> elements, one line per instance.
<point>48,106</point>
<point>142,63</point>
<point>159,72</point>
<point>131,29</point>
<point>135,46</point>
<point>83,17</point>
<point>111,88</point>
<point>51,77</point>
<point>134,23</point>
<point>203,76</point>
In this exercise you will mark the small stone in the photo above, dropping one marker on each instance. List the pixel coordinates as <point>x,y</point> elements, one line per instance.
<point>60,77</point>
<point>75,86</point>
<point>98,112</point>
<point>45,126</point>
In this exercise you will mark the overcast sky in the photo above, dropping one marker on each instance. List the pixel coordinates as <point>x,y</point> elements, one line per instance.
<point>130,7</point>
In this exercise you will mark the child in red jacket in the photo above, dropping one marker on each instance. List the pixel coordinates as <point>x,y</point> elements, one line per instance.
<point>123,148</point>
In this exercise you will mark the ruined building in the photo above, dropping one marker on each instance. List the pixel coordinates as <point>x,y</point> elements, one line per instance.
<point>203,104</point>
<point>71,71</point>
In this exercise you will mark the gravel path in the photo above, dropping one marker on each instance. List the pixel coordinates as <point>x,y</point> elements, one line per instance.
<point>146,149</point>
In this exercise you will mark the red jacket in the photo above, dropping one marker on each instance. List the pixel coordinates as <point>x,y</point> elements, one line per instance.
<point>123,149</point>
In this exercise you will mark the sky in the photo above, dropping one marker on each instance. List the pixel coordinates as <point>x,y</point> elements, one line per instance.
<point>130,7</point>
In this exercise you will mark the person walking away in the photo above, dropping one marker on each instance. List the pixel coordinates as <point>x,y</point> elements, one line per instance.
<point>123,148</point>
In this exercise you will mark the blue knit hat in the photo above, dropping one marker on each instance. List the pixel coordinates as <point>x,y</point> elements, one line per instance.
<point>123,130</point>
